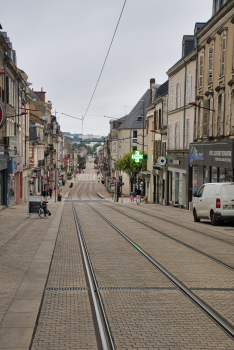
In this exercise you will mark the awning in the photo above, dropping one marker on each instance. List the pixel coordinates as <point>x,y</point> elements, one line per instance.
<point>146,173</point>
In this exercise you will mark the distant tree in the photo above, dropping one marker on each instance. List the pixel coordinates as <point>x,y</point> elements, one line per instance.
<point>128,165</point>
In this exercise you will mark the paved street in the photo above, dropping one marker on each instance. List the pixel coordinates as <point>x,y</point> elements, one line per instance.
<point>45,295</point>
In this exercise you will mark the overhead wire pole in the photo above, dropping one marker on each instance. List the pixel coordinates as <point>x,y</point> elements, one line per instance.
<point>105,59</point>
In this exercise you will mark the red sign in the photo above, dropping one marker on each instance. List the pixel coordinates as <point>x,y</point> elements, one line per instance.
<point>51,172</point>
<point>2,115</point>
<point>60,178</point>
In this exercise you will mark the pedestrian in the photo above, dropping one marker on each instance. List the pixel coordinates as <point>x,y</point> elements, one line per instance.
<point>138,196</point>
<point>50,192</point>
<point>132,196</point>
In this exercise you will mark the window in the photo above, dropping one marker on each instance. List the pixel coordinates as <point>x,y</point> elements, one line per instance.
<point>178,135</point>
<point>206,174</point>
<point>159,122</point>
<point>205,121</point>
<point>220,116</point>
<point>170,136</point>
<point>211,106</point>
<point>210,62</point>
<point>189,89</point>
<point>223,54</point>
<point>177,96</point>
<point>201,68</point>
<point>171,98</point>
<point>187,134</point>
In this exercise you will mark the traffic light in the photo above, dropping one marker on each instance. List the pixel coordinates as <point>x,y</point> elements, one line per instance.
<point>31,182</point>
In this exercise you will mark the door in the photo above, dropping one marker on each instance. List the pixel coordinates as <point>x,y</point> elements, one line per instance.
<point>176,189</point>
<point>199,202</point>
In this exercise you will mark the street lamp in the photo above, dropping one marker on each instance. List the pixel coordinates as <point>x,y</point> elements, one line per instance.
<point>196,105</point>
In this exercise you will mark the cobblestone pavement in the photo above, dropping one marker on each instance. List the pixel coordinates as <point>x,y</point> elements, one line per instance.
<point>45,298</point>
<point>24,263</point>
<point>206,278</point>
<point>65,320</point>
<point>144,309</point>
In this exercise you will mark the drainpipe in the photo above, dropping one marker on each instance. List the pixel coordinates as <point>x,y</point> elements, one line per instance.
<point>185,81</point>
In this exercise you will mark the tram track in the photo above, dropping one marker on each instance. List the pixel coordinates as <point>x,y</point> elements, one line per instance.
<point>211,313</point>
<point>183,226</point>
<point>231,267</point>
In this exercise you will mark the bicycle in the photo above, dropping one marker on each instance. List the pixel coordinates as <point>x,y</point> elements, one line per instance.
<point>44,211</point>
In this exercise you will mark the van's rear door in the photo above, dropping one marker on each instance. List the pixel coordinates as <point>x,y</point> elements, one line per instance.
<point>227,199</point>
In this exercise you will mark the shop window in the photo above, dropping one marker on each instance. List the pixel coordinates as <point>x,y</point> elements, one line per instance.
<point>214,174</point>
<point>206,174</point>
<point>195,179</point>
<point>225,175</point>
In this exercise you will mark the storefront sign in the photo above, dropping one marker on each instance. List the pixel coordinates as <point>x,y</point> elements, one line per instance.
<point>2,115</point>
<point>34,204</point>
<point>13,141</point>
<point>34,174</point>
<point>14,165</point>
<point>218,154</point>
<point>137,156</point>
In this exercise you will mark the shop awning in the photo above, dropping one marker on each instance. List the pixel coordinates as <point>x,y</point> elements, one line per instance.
<point>146,173</point>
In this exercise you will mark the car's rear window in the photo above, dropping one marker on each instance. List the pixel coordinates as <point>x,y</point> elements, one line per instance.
<point>228,190</point>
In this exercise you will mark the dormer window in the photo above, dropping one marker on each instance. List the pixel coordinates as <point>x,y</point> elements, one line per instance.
<point>139,119</point>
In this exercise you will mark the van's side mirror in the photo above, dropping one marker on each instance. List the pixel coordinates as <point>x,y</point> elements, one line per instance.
<point>195,194</point>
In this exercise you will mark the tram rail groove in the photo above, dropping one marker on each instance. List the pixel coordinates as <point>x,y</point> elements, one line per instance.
<point>209,311</point>
<point>175,239</point>
<point>188,228</point>
<point>101,318</point>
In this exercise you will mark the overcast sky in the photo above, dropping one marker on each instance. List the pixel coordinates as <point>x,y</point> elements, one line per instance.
<point>61,46</point>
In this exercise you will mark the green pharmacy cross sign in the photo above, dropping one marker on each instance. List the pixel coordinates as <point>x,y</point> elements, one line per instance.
<point>137,156</point>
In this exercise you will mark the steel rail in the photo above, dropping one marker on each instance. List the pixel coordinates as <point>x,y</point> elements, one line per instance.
<point>188,228</point>
<point>176,240</point>
<point>104,330</point>
<point>210,312</point>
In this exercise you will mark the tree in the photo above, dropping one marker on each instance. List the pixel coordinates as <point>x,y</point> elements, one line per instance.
<point>128,165</point>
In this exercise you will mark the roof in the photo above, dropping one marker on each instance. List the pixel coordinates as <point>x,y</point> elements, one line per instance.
<point>198,26</point>
<point>162,90</point>
<point>34,96</point>
<point>130,122</point>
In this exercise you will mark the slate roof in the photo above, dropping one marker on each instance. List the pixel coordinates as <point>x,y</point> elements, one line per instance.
<point>162,90</point>
<point>188,44</point>
<point>33,95</point>
<point>130,122</point>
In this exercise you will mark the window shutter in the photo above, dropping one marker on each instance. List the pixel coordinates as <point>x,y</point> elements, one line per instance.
<point>201,65</point>
<point>174,136</point>
<point>170,138</point>
<point>201,121</point>
<point>211,58</point>
<point>187,134</point>
<point>178,135</point>
<point>205,120</point>
<point>211,118</point>
<point>189,88</point>
<point>221,116</point>
<point>216,116</point>
<point>171,99</point>
<point>223,51</point>
<point>178,97</point>
<point>229,113</point>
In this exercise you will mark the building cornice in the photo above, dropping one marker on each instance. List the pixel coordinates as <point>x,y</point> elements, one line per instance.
<point>180,64</point>
<point>216,19</point>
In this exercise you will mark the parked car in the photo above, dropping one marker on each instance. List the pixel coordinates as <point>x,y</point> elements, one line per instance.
<point>214,201</point>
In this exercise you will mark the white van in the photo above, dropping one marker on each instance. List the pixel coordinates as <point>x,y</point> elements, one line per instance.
<point>214,201</point>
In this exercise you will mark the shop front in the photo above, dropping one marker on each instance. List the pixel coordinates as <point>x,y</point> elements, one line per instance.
<point>177,181</point>
<point>15,181</point>
<point>3,177</point>
<point>211,162</point>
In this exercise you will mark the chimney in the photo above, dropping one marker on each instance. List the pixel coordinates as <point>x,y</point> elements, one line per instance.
<point>152,81</point>
<point>32,89</point>
<point>40,94</point>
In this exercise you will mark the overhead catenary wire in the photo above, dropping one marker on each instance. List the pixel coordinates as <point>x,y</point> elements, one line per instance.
<point>105,60</point>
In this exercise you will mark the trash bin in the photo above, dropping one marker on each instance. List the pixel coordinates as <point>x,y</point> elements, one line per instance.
<point>59,197</point>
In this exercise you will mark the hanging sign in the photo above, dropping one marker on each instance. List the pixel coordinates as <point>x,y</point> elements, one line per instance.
<point>137,156</point>
<point>2,115</point>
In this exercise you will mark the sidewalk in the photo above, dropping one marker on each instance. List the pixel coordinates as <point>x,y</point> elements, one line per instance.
<point>26,248</point>
<point>64,191</point>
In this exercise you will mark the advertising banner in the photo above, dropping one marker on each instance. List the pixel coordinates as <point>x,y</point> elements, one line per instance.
<point>34,204</point>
